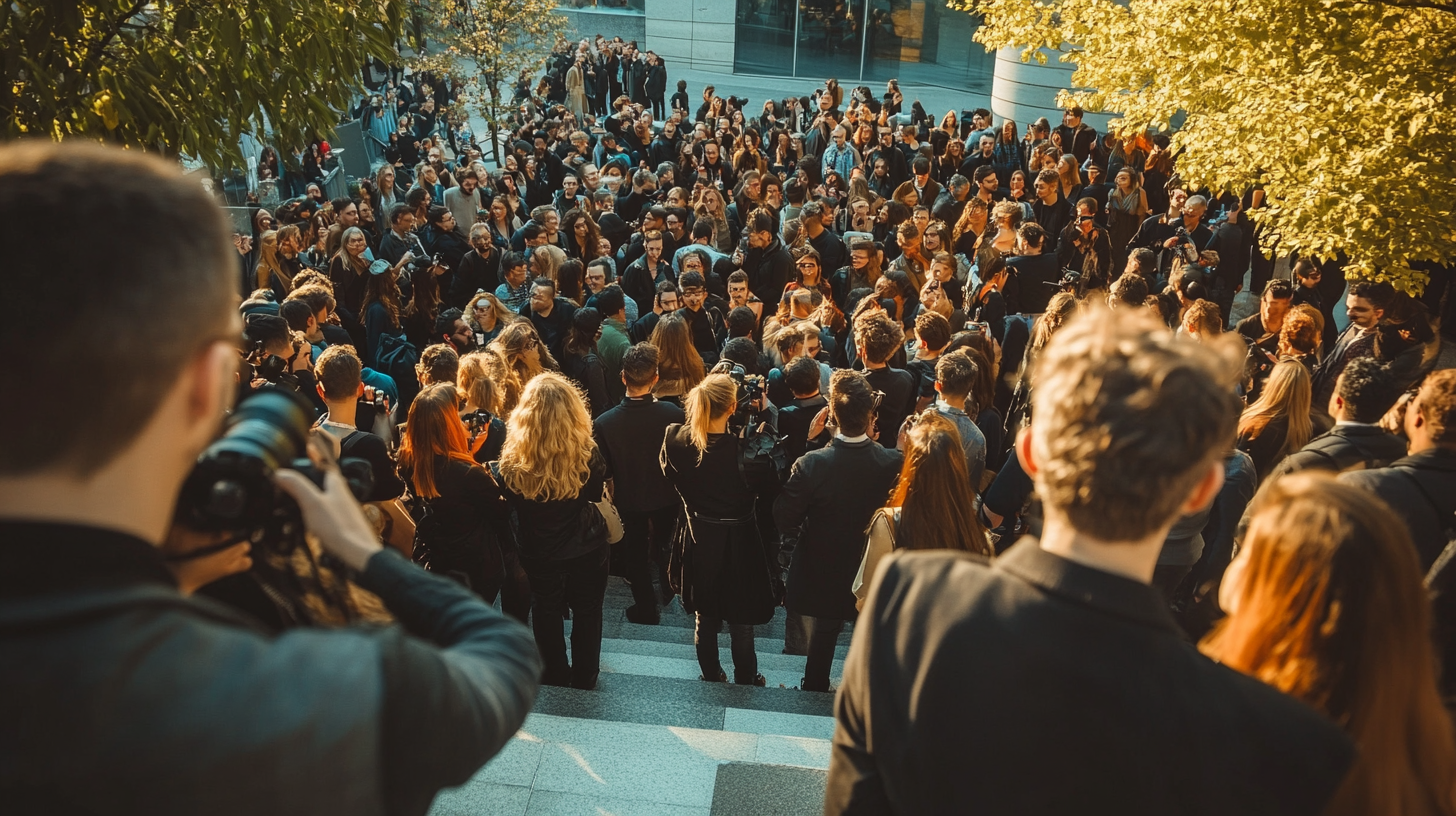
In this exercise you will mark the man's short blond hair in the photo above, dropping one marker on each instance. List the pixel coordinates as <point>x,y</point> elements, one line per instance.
<point>1128,420</point>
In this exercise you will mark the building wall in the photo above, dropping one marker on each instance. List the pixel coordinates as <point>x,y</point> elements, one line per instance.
<point>1023,91</point>
<point>695,34</point>
<point>628,25</point>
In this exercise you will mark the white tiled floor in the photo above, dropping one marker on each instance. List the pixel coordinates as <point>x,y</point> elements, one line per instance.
<point>564,765</point>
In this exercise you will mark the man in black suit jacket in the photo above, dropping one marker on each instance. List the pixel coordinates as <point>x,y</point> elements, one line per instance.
<point>1055,680</point>
<point>1363,393</point>
<point>822,515</point>
<point>878,337</point>
<point>630,437</point>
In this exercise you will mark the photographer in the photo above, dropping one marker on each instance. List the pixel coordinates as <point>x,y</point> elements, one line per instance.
<point>189,708</point>
<point>275,356</point>
<point>723,574</point>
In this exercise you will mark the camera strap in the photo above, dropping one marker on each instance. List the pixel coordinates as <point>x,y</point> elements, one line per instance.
<point>204,552</point>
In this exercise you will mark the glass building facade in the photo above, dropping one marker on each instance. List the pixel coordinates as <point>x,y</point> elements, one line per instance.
<point>920,42</point>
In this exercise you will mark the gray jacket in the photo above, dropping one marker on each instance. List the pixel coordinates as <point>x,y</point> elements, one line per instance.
<point>120,695</point>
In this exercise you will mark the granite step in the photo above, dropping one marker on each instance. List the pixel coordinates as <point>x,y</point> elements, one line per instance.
<point>673,616</point>
<point>757,789</point>
<point>564,766</point>
<point>648,700</point>
<point>680,661</point>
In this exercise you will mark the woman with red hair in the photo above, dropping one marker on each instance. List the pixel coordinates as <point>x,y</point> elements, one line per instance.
<point>1325,602</point>
<point>460,515</point>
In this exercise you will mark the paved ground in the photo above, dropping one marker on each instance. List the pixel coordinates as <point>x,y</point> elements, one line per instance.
<point>654,740</point>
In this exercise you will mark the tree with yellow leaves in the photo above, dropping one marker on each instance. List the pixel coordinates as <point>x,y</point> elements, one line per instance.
<point>187,76</point>
<point>1342,111</point>
<point>485,45</point>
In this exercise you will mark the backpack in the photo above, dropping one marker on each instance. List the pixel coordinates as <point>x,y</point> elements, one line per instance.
<point>397,358</point>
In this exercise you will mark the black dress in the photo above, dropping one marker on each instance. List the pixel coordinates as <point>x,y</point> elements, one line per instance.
<point>464,532</point>
<point>719,563</point>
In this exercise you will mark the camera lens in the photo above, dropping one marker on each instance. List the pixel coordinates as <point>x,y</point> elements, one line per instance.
<point>231,486</point>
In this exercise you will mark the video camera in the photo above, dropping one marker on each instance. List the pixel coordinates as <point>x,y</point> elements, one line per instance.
<point>760,443</point>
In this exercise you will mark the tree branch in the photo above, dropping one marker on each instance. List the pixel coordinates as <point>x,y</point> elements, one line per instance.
<point>100,45</point>
<point>1448,6</point>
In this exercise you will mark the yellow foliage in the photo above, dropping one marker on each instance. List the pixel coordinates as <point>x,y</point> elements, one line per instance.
<point>1341,111</point>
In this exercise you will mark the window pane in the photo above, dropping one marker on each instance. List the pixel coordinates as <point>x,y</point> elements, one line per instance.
<point>765,37</point>
<point>923,42</point>
<point>830,38</point>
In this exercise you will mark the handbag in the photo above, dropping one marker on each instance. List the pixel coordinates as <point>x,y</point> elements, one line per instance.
<point>611,518</point>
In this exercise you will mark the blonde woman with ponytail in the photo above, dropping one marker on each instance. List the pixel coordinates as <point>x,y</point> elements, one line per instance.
<point>720,566</point>
<point>552,475</point>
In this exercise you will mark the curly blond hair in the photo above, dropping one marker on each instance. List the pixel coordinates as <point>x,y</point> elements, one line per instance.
<point>548,447</point>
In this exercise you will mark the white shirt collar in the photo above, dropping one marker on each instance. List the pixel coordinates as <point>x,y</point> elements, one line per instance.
<point>861,438</point>
<point>1343,422</point>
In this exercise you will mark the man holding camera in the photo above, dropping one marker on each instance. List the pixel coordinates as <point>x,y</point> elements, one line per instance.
<point>165,704</point>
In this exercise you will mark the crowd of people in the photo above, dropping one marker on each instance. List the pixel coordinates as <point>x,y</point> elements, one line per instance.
<point>973,390</point>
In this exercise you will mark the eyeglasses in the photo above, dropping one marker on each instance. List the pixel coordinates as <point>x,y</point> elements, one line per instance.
<point>807,265</point>
<point>483,306</point>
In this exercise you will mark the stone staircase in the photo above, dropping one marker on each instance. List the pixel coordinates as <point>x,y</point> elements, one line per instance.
<point>654,740</point>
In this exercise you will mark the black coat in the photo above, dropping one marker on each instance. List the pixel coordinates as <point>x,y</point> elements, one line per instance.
<point>465,530</point>
<point>1344,448</point>
<point>555,530</point>
<point>1421,489</point>
<point>1038,685</point>
<point>630,438</point>
<point>822,514</point>
<point>769,270</point>
<point>719,563</point>
<point>474,274</point>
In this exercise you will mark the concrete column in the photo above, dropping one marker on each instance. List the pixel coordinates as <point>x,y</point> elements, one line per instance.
<point>1024,91</point>
<point>696,34</point>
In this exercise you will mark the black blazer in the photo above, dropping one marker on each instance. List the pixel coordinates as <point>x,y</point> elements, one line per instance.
<point>823,513</point>
<point>1037,685</point>
<point>630,438</point>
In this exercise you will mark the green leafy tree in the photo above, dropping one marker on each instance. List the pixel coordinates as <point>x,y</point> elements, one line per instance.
<point>485,45</point>
<point>1341,110</point>
<point>188,76</point>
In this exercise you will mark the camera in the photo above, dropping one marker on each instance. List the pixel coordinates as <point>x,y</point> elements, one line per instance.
<point>231,486</point>
<point>750,386</point>
<point>1184,249</point>
<point>1071,282</point>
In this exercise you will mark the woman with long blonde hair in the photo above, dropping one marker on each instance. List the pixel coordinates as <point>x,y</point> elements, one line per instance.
<point>270,267</point>
<point>480,398</point>
<point>487,317</point>
<point>720,566</point>
<point>461,519</point>
<point>1325,602</point>
<point>712,207</point>
<point>1278,423</point>
<point>520,347</point>
<point>679,365</point>
<point>553,475</point>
